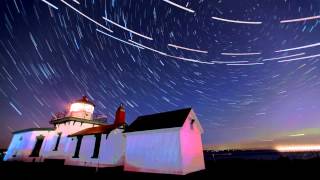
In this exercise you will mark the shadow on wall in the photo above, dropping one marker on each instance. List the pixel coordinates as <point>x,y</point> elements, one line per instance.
<point>2,153</point>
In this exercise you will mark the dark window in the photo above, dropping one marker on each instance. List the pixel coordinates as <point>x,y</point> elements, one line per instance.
<point>57,143</point>
<point>191,123</point>
<point>36,150</point>
<point>96,146</point>
<point>76,153</point>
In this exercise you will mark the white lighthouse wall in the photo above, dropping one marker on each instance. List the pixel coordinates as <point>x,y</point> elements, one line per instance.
<point>85,153</point>
<point>191,145</point>
<point>65,130</point>
<point>111,152</point>
<point>22,145</point>
<point>112,149</point>
<point>154,151</point>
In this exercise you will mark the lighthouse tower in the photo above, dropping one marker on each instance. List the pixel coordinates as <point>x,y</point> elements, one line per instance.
<point>82,108</point>
<point>120,118</point>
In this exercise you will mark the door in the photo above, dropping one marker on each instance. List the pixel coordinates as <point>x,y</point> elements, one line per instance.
<point>37,146</point>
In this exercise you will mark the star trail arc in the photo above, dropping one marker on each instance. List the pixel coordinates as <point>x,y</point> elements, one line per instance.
<point>134,32</point>
<point>240,54</point>
<point>237,21</point>
<point>300,58</point>
<point>118,39</point>
<point>300,19</point>
<point>188,49</point>
<point>179,6</point>
<point>87,17</point>
<point>50,4</point>
<point>283,57</point>
<point>298,48</point>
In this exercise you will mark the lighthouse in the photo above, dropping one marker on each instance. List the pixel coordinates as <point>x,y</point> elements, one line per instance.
<point>120,118</point>
<point>166,142</point>
<point>82,108</point>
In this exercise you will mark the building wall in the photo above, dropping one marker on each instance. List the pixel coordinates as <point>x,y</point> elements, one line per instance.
<point>65,130</point>
<point>154,151</point>
<point>22,145</point>
<point>86,151</point>
<point>191,145</point>
<point>112,149</point>
<point>111,152</point>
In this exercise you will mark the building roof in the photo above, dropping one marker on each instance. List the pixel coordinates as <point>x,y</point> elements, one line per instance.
<point>105,129</point>
<point>33,129</point>
<point>162,120</point>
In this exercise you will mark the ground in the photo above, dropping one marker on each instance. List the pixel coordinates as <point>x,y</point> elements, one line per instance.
<point>226,168</point>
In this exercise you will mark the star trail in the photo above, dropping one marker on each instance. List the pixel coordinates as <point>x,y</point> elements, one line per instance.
<point>249,69</point>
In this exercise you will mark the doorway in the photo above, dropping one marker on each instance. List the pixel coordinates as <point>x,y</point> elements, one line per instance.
<point>37,146</point>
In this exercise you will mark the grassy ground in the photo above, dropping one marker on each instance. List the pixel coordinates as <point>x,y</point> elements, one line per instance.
<point>227,168</point>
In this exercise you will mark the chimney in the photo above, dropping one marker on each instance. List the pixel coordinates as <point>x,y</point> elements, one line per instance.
<point>120,118</point>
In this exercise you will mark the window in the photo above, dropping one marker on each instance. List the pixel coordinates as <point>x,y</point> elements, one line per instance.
<point>57,143</point>
<point>191,123</point>
<point>96,146</point>
<point>36,150</point>
<point>77,151</point>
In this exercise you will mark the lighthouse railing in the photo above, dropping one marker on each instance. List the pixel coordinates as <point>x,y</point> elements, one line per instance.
<point>95,117</point>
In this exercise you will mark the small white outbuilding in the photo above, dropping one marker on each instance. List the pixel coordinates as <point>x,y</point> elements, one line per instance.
<point>168,142</point>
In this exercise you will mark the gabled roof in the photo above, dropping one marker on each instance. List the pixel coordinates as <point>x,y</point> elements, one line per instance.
<point>105,129</point>
<point>162,120</point>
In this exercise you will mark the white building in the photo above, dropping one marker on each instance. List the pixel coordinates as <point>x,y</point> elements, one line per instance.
<point>167,142</point>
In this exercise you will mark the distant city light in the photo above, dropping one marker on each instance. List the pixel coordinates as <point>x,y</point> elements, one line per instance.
<point>296,135</point>
<point>297,148</point>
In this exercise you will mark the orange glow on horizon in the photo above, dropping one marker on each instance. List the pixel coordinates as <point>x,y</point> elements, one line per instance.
<point>297,148</point>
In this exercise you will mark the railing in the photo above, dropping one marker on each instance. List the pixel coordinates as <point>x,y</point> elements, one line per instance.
<point>99,118</point>
<point>59,115</point>
<point>95,117</point>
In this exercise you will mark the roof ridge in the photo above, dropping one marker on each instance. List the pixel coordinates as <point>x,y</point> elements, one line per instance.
<point>165,112</point>
<point>162,120</point>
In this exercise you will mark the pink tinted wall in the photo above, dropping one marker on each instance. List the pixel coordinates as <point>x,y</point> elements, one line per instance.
<point>191,146</point>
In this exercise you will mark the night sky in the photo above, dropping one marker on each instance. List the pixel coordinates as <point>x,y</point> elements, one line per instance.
<point>248,71</point>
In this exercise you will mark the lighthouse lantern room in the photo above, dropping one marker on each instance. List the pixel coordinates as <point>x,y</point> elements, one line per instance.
<point>82,108</point>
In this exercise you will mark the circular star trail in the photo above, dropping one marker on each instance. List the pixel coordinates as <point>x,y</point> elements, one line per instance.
<point>248,69</point>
